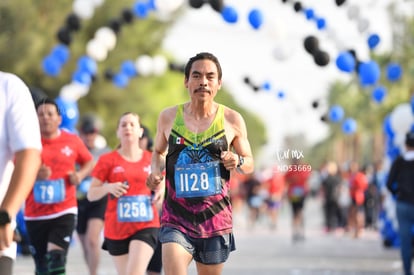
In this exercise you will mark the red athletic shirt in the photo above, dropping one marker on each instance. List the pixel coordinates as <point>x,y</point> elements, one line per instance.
<point>358,185</point>
<point>112,167</point>
<point>297,183</point>
<point>61,154</point>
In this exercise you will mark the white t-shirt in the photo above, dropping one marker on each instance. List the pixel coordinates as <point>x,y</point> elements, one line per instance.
<point>19,125</point>
<point>19,129</point>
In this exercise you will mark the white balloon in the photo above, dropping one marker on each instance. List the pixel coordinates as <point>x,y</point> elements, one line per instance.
<point>160,65</point>
<point>73,91</point>
<point>363,25</point>
<point>107,37</point>
<point>97,3</point>
<point>83,8</point>
<point>401,118</point>
<point>144,65</point>
<point>96,50</point>
<point>168,6</point>
<point>353,12</point>
<point>100,142</point>
<point>399,141</point>
<point>283,51</point>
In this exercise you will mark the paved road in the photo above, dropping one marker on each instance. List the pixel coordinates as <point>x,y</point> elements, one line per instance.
<point>266,252</point>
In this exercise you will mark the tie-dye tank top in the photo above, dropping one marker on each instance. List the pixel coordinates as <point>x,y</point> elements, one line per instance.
<point>198,216</point>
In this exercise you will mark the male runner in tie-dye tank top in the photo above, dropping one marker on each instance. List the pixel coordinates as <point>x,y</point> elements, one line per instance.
<point>198,216</point>
<point>198,143</point>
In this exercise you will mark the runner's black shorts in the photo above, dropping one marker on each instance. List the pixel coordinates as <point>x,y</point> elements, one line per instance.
<point>88,210</point>
<point>121,247</point>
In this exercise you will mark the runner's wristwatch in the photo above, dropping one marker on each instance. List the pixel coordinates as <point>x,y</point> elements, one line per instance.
<point>4,218</point>
<point>241,161</point>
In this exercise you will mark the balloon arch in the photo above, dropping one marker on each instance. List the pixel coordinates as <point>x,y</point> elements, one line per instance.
<point>105,39</point>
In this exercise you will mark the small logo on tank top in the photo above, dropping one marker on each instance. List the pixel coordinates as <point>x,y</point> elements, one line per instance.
<point>179,140</point>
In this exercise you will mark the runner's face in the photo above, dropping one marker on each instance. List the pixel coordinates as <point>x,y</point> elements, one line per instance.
<point>129,128</point>
<point>203,82</point>
<point>49,119</point>
<point>89,139</point>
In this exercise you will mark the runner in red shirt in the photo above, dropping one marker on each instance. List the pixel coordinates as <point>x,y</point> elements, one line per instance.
<point>51,207</point>
<point>275,185</point>
<point>131,218</point>
<point>296,179</point>
<point>358,184</point>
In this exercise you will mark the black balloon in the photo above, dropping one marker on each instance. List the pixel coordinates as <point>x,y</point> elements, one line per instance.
<point>64,36</point>
<point>353,52</point>
<point>217,5</point>
<point>127,16</point>
<point>321,58</point>
<point>297,6</point>
<point>196,3</point>
<point>339,2</point>
<point>73,22</point>
<point>115,25</point>
<point>109,74</point>
<point>311,44</point>
<point>357,62</point>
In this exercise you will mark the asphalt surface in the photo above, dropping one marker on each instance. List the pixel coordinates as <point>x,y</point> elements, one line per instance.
<point>263,251</point>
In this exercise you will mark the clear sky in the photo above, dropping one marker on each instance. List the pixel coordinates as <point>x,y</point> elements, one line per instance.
<point>244,51</point>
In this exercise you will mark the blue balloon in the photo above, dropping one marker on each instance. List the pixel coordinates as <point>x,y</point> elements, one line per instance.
<point>389,132</point>
<point>141,9</point>
<point>229,14</point>
<point>61,53</point>
<point>267,86</point>
<point>120,80</point>
<point>345,62</point>
<point>394,72</point>
<point>369,73</point>
<point>151,4</point>
<point>349,126</point>
<point>82,77</point>
<point>88,65</point>
<point>255,18</point>
<point>69,112</point>
<point>321,23</point>
<point>128,68</point>
<point>281,94</point>
<point>373,41</point>
<point>412,103</point>
<point>51,66</point>
<point>309,13</point>
<point>378,94</point>
<point>336,113</point>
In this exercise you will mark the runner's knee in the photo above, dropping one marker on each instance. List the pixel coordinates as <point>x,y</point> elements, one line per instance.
<point>56,261</point>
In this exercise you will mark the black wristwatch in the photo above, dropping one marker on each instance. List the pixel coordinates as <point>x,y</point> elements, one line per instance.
<point>4,218</point>
<point>241,161</point>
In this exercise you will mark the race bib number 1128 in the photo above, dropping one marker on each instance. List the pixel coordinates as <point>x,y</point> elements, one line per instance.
<point>197,180</point>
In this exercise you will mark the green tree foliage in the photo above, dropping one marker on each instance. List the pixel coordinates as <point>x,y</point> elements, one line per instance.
<point>28,32</point>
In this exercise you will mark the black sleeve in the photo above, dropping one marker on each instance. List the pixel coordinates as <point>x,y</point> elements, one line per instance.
<point>392,175</point>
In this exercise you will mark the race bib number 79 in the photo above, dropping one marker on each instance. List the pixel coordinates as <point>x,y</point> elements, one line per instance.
<point>49,191</point>
<point>197,180</point>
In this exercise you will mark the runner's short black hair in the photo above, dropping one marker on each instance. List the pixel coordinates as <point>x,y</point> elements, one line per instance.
<point>202,56</point>
<point>48,100</point>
